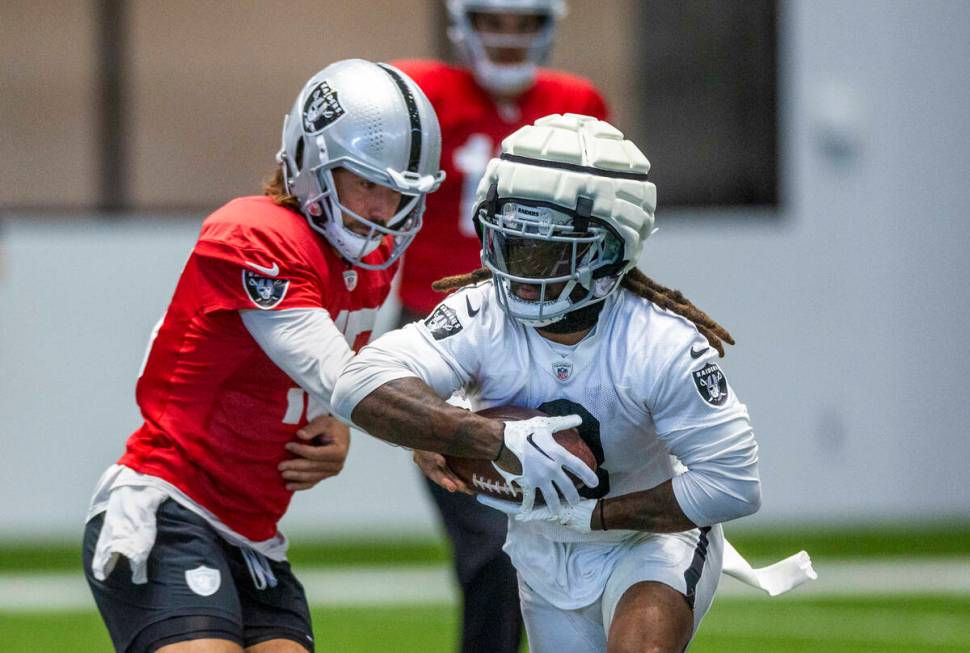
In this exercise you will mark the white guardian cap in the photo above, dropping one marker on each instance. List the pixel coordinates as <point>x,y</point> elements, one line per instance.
<point>471,44</point>
<point>372,120</point>
<point>563,211</point>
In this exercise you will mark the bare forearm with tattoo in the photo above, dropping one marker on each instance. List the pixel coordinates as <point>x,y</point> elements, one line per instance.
<point>409,413</point>
<point>654,510</point>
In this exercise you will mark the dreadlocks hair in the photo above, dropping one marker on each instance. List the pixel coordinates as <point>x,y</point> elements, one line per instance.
<point>639,284</point>
<point>447,284</point>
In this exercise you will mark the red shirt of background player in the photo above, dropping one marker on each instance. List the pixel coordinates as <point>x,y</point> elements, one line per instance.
<point>472,129</point>
<point>217,410</point>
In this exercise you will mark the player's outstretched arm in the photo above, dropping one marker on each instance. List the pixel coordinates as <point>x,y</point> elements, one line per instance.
<point>407,412</point>
<point>393,389</point>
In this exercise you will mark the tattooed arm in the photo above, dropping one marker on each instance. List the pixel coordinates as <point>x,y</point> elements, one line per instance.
<point>406,411</point>
<point>655,510</point>
<point>393,389</point>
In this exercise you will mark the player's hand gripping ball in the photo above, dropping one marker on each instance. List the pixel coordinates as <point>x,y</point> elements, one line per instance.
<point>482,477</point>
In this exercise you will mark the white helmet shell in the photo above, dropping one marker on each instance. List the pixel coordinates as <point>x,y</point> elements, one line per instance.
<point>503,79</point>
<point>374,121</point>
<point>574,183</point>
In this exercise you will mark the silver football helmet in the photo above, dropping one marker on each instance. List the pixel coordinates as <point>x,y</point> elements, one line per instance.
<point>373,120</point>
<point>564,211</point>
<point>470,43</point>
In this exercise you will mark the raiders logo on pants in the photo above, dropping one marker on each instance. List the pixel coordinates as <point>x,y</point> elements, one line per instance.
<point>199,586</point>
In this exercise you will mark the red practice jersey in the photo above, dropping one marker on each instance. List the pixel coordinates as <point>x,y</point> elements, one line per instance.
<point>472,129</point>
<point>217,410</point>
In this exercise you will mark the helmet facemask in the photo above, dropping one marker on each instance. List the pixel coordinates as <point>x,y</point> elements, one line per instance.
<point>327,215</point>
<point>547,260</point>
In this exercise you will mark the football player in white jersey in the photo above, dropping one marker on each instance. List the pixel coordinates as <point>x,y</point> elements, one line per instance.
<point>559,319</point>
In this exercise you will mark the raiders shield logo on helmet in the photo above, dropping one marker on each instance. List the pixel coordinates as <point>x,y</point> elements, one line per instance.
<point>265,292</point>
<point>443,323</point>
<point>711,384</point>
<point>321,108</point>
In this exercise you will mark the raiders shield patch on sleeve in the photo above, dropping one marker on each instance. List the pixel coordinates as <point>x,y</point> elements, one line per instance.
<point>321,109</point>
<point>711,384</point>
<point>263,291</point>
<point>443,323</point>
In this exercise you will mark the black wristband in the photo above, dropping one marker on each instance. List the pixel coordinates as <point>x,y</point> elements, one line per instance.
<point>599,505</point>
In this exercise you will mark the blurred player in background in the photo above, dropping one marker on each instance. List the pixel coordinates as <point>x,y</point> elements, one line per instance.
<point>561,320</point>
<point>181,547</point>
<point>498,88</point>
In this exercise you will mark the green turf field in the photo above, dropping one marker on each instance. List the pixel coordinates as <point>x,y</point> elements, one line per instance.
<point>866,625</point>
<point>792,624</point>
<point>928,539</point>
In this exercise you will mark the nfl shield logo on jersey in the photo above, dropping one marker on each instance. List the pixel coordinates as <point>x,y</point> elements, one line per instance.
<point>350,279</point>
<point>563,370</point>
<point>711,384</point>
<point>265,292</point>
<point>203,580</point>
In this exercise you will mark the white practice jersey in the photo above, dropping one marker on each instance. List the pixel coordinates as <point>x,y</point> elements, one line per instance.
<point>646,384</point>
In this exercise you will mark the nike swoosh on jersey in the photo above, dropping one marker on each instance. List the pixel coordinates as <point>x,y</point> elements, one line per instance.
<point>698,354</point>
<point>269,272</point>
<point>471,312</point>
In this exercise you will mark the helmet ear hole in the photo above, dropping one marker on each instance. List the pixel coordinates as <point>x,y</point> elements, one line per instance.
<point>298,154</point>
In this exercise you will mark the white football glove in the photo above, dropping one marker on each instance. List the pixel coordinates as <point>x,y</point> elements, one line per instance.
<point>577,515</point>
<point>544,461</point>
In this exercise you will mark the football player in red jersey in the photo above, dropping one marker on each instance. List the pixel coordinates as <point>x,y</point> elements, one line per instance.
<point>499,88</point>
<point>181,547</point>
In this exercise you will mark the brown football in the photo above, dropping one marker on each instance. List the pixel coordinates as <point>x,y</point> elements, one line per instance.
<point>481,476</point>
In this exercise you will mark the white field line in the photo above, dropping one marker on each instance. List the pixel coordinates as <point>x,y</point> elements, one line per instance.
<point>413,585</point>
